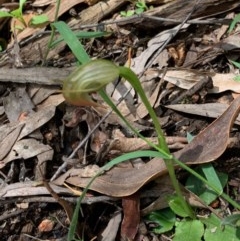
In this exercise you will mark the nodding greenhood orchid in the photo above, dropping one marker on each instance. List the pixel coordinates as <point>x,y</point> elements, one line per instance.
<point>96,74</point>
<point>88,78</point>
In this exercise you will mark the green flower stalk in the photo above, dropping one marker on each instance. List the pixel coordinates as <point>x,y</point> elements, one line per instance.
<point>94,76</point>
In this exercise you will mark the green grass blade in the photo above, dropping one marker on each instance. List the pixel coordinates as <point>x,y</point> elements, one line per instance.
<point>237,64</point>
<point>212,176</point>
<point>234,22</point>
<point>72,41</point>
<point>81,35</point>
<point>4,14</point>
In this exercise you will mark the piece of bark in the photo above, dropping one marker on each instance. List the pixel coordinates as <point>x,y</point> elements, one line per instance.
<point>35,75</point>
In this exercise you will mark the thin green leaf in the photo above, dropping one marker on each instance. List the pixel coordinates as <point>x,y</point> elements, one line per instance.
<point>234,22</point>
<point>4,14</point>
<point>211,175</point>
<point>16,13</point>
<point>72,41</point>
<point>237,64</point>
<point>136,84</point>
<point>21,3</point>
<point>201,189</point>
<point>39,19</point>
<point>128,156</point>
<point>82,35</point>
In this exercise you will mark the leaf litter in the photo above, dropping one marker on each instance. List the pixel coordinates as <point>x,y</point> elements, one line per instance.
<point>38,129</point>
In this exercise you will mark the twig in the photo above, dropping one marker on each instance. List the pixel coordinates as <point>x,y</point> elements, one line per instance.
<point>41,199</point>
<point>35,75</point>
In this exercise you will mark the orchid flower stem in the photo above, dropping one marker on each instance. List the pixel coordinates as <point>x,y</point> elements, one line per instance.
<point>129,75</point>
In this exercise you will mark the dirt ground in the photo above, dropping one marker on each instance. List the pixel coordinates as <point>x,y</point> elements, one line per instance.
<point>187,61</point>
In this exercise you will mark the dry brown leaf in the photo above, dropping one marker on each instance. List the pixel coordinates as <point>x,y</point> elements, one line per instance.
<point>16,103</point>
<point>42,3</point>
<point>9,140</point>
<point>22,205</point>
<point>37,119</point>
<point>29,188</point>
<point>25,149</point>
<point>158,1</point>
<point>131,218</point>
<point>52,100</point>
<point>124,144</point>
<point>186,79</point>
<point>213,110</point>
<point>205,147</point>
<point>139,63</point>
<point>230,43</point>
<point>209,144</point>
<point>43,93</point>
<point>91,2</point>
<point>110,232</point>
<point>177,9</point>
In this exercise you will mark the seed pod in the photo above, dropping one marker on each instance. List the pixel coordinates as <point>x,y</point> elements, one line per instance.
<point>88,78</point>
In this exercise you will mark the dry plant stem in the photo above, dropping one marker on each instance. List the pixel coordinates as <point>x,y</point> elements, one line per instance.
<point>50,199</point>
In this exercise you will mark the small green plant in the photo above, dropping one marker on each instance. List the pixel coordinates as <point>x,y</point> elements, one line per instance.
<point>207,228</point>
<point>207,195</point>
<point>166,219</point>
<point>139,7</point>
<point>18,14</point>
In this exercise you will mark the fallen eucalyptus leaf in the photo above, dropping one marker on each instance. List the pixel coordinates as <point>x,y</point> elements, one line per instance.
<point>206,147</point>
